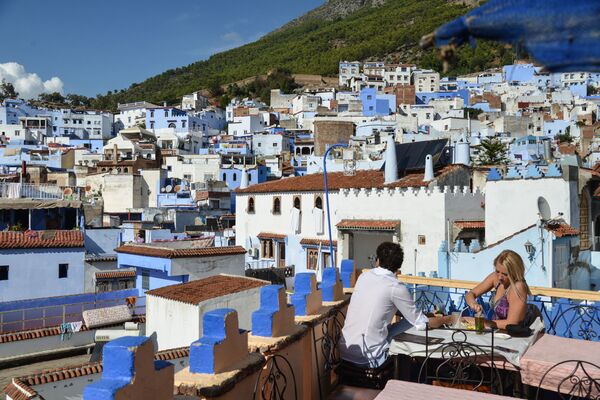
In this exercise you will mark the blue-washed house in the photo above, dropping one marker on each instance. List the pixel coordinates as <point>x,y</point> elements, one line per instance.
<point>36,264</point>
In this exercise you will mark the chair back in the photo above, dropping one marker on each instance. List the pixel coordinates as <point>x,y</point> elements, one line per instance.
<point>571,379</point>
<point>461,364</point>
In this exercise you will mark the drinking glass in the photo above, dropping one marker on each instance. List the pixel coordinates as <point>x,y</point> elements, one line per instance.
<point>479,323</point>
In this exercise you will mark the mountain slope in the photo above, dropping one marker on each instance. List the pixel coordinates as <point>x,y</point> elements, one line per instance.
<point>314,45</point>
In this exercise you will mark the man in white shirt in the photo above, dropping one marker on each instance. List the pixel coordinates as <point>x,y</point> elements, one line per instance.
<point>377,296</point>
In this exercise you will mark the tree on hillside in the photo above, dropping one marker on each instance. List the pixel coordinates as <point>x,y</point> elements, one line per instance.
<point>7,91</point>
<point>54,98</point>
<point>492,152</point>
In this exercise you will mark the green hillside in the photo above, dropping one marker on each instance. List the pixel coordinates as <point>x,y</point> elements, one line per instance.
<point>315,46</point>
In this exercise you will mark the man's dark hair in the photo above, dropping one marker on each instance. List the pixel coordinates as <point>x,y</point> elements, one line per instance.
<point>390,256</point>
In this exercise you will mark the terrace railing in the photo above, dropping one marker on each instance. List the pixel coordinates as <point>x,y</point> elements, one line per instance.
<point>11,190</point>
<point>49,316</point>
<point>566,313</point>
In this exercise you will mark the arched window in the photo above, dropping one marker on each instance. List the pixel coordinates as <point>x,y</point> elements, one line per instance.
<point>224,177</point>
<point>297,202</point>
<point>584,222</point>
<point>319,202</point>
<point>276,205</point>
<point>234,177</point>
<point>251,205</point>
<point>172,125</point>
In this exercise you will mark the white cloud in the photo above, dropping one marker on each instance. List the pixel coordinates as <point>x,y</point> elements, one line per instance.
<point>232,37</point>
<point>28,84</point>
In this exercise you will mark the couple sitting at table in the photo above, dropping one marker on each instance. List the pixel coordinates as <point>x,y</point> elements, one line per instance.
<point>378,295</point>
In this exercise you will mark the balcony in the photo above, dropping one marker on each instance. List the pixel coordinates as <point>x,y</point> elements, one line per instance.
<point>288,356</point>
<point>10,190</point>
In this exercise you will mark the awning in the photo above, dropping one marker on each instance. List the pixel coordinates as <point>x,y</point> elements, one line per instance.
<point>271,235</point>
<point>27,204</point>
<point>368,225</point>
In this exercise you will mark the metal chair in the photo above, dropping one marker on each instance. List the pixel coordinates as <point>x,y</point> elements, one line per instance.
<point>461,364</point>
<point>327,346</point>
<point>578,384</point>
<point>275,381</point>
<point>578,321</point>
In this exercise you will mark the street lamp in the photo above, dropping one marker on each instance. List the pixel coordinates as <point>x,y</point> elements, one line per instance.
<point>338,145</point>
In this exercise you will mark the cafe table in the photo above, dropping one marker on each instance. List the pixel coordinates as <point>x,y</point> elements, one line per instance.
<point>551,350</point>
<point>395,390</point>
<point>509,349</point>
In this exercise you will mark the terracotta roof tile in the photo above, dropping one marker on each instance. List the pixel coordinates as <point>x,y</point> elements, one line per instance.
<point>317,242</point>
<point>195,292</point>
<point>20,388</point>
<point>368,179</point>
<point>7,337</point>
<point>41,239</point>
<point>116,274</point>
<point>561,229</point>
<point>470,224</point>
<point>368,224</point>
<point>271,235</point>
<point>165,252</point>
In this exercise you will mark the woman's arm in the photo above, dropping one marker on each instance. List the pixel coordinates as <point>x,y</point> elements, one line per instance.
<point>517,306</point>
<point>485,286</point>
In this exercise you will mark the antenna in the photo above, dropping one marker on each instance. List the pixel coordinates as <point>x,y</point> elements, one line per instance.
<point>543,209</point>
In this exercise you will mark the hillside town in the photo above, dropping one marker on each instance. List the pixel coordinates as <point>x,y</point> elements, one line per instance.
<point>171,230</point>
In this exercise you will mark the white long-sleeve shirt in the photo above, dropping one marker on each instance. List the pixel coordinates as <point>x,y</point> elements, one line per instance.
<point>377,295</point>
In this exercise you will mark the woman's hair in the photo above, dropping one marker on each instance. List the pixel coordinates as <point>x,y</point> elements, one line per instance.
<point>515,267</point>
<point>390,256</point>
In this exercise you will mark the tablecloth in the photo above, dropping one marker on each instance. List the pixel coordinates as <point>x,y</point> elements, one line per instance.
<point>395,390</point>
<point>550,350</point>
<point>511,349</point>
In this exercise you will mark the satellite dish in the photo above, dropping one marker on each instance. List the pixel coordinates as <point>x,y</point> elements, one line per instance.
<point>544,209</point>
<point>114,171</point>
<point>68,192</point>
<point>177,188</point>
<point>158,219</point>
<point>168,188</point>
<point>162,190</point>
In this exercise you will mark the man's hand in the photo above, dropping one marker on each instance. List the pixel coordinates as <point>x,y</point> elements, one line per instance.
<point>436,322</point>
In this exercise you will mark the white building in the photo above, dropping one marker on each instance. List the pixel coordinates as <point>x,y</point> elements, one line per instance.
<point>174,313</point>
<point>348,70</point>
<point>194,102</point>
<point>426,80</point>
<point>267,144</point>
<point>132,114</point>
<point>283,222</point>
<point>398,74</point>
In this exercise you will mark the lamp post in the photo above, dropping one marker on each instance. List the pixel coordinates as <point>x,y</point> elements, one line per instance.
<point>338,145</point>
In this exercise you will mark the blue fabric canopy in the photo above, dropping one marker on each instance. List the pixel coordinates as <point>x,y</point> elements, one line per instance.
<point>562,35</point>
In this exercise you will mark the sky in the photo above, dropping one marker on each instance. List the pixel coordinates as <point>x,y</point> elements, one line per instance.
<point>92,46</point>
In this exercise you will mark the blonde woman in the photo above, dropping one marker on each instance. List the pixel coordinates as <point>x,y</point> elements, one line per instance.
<point>509,291</point>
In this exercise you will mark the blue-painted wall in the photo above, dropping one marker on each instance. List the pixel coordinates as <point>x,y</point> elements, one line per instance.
<point>426,97</point>
<point>233,176</point>
<point>33,273</point>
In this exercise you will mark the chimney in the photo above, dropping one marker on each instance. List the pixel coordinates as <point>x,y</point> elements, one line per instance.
<point>462,152</point>
<point>164,103</point>
<point>428,169</point>
<point>115,154</point>
<point>391,165</point>
<point>244,182</point>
